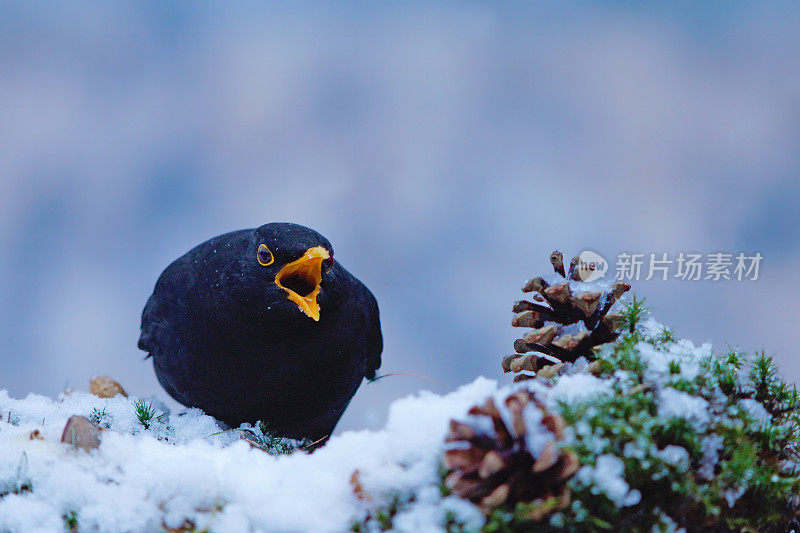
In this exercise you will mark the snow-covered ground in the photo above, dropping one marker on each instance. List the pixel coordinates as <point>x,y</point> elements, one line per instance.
<point>182,469</point>
<point>183,472</point>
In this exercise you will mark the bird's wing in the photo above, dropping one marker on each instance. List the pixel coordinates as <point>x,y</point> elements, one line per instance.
<point>374,336</point>
<point>167,300</point>
<point>148,326</point>
<point>170,298</point>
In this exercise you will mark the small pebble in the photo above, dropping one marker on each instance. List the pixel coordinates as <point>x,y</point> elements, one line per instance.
<point>81,433</point>
<point>105,387</point>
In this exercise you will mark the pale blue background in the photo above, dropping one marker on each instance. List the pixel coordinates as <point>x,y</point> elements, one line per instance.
<point>444,148</point>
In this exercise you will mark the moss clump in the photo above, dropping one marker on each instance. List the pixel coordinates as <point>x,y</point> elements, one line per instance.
<point>13,420</point>
<point>145,412</point>
<point>70,521</point>
<point>100,418</point>
<point>683,440</point>
<point>262,437</point>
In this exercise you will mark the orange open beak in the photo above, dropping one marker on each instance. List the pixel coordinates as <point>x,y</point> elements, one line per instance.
<point>301,280</point>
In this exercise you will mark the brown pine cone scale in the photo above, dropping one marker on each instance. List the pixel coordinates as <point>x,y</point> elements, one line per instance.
<point>495,468</point>
<point>565,321</point>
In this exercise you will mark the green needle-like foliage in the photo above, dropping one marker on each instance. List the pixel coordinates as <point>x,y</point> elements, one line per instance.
<point>145,412</point>
<point>735,468</point>
<point>671,437</point>
<point>633,313</point>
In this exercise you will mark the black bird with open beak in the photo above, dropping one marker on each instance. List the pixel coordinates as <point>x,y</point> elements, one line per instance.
<point>263,324</point>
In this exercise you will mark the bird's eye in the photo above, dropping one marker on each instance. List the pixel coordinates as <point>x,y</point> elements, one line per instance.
<point>264,255</point>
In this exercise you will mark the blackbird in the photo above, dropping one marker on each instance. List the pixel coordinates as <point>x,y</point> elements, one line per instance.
<point>263,324</point>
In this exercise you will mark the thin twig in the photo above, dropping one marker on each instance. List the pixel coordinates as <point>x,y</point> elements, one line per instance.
<point>411,374</point>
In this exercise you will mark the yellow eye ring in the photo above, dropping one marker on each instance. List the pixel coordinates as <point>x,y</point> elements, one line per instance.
<point>264,255</point>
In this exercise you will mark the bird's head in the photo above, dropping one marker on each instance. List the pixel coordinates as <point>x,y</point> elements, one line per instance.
<point>296,263</point>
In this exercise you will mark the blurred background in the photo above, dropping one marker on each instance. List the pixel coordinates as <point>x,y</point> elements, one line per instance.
<point>445,149</point>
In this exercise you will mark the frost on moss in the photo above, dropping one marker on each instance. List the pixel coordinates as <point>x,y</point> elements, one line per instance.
<point>684,438</point>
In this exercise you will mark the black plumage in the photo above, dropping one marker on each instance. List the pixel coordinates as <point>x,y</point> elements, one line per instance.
<point>231,328</point>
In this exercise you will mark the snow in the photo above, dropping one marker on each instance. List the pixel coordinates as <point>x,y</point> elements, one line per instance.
<point>601,285</point>
<point>571,329</point>
<point>24,514</point>
<point>425,516</point>
<point>676,456</point>
<point>136,482</point>
<point>711,445</point>
<point>676,403</point>
<point>608,477</point>
<point>185,469</point>
<point>578,387</point>
<point>756,411</point>
<point>683,352</point>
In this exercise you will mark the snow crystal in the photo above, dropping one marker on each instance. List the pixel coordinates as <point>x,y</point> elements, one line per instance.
<point>571,329</point>
<point>732,495</point>
<point>675,403</point>
<point>651,327</point>
<point>634,450</point>
<point>623,375</point>
<point>580,366</point>
<point>537,435</point>
<point>687,356</point>
<point>602,285</point>
<point>578,387</point>
<point>756,411</point>
<point>710,445</point>
<point>463,511</point>
<point>676,456</point>
<point>608,477</point>
<point>668,525</point>
<point>430,512</point>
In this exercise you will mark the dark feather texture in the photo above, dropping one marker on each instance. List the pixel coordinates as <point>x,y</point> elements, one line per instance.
<point>226,339</point>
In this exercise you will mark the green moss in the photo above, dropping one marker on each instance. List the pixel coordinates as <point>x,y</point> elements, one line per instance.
<point>71,521</point>
<point>100,417</point>
<point>144,412</point>
<point>13,420</point>
<point>381,515</point>
<point>271,443</point>
<point>633,313</point>
<point>749,480</point>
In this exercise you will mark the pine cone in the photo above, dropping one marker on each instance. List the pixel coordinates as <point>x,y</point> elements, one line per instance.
<point>567,321</point>
<point>493,468</point>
